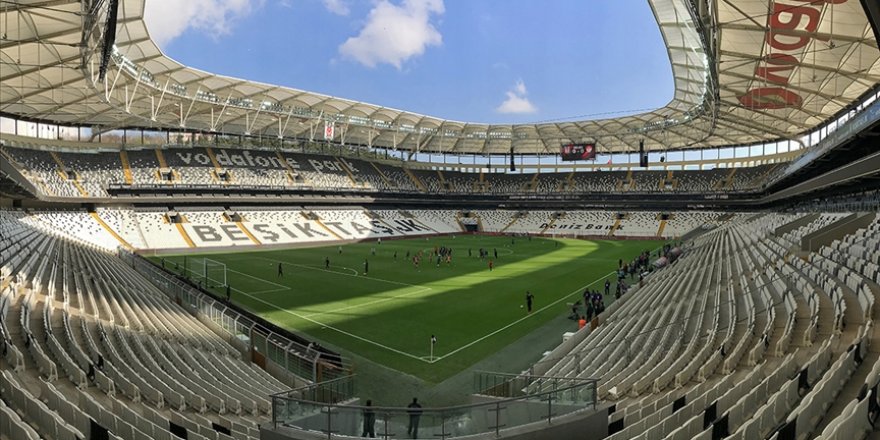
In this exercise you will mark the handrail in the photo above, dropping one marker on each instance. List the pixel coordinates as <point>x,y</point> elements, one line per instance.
<point>486,417</point>
<point>534,377</point>
<point>450,408</point>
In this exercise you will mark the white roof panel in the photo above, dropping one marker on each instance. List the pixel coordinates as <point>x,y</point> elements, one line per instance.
<point>748,77</point>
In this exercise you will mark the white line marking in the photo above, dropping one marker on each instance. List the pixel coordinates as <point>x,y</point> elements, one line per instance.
<point>339,273</point>
<point>314,321</point>
<point>259,279</point>
<point>377,301</point>
<point>266,291</point>
<point>439,358</point>
<point>354,272</point>
<point>394,350</point>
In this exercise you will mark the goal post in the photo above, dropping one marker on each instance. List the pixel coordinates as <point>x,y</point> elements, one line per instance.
<point>214,273</point>
<point>210,272</point>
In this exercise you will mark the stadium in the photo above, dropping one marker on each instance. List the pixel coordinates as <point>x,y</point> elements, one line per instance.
<point>188,255</point>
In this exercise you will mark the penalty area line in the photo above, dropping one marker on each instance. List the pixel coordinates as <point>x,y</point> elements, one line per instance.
<point>280,286</point>
<point>353,272</point>
<point>264,291</point>
<point>356,274</point>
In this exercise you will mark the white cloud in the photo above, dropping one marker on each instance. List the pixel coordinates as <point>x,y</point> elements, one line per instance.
<point>395,33</point>
<point>517,101</point>
<point>168,19</point>
<point>338,7</point>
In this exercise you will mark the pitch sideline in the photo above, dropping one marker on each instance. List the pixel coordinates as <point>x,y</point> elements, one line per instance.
<point>477,341</point>
<point>308,317</point>
<point>422,358</point>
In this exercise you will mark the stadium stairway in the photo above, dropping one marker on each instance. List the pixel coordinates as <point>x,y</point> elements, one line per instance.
<point>126,167</point>
<point>415,180</point>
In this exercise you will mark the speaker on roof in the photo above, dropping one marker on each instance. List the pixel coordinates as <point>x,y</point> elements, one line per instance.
<point>109,38</point>
<point>872,10</point>
<point>643,156</point>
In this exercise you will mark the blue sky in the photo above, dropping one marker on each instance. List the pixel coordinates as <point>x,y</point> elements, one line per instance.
<point>495,61</point>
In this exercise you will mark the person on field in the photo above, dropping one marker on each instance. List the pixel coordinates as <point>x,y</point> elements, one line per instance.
<point>366,266</point>
<point>529,299</point>
<point>491,265</point>
<point>582,322</point>
<point>280,271</point>
<point>326,262</point>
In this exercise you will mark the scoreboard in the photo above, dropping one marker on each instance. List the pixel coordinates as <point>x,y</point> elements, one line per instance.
<point>571,152</point>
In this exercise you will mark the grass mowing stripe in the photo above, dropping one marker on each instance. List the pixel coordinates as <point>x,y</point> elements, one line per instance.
<point>370,303</point>
<point>356,273</point>
<point>436,358</point>
<point>387,320</point>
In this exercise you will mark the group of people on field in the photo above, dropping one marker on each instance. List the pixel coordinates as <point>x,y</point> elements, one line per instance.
<point>593,304</point>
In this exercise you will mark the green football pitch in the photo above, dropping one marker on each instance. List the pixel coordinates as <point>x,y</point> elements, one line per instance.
<point>388,313</point>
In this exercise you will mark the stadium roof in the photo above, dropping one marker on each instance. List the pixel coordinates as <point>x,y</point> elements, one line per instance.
<point>742,75</point>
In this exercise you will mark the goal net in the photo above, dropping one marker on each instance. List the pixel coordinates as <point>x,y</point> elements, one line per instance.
<point>215,273</point>
<point>211,272</point>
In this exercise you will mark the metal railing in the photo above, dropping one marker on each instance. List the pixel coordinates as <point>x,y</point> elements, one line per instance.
<point>540,400</point>
<point>332,391</point>
<point>290,357</point>
<point>509,385</point>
